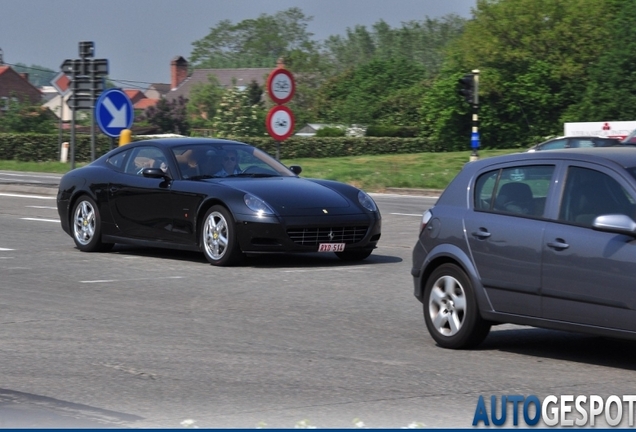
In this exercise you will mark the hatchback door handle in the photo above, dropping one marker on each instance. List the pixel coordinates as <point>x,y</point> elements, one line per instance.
<point>481,234</point>
<point>558,244</point>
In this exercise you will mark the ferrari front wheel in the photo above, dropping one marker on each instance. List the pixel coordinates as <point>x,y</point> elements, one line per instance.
<point>218,238</point>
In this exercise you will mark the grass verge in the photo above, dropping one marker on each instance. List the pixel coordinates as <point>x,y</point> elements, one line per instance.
<point>373,173</point>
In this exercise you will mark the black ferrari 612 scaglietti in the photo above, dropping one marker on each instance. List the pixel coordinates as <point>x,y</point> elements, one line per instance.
<point>224,198</point>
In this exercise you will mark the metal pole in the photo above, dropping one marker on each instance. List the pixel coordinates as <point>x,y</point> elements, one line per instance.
<point>61,123</point>
<point>73,139</point>
<point>474,137</point>
<point>93,131</point>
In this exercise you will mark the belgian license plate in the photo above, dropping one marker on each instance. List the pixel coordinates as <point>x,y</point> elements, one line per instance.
<point>331,247</point>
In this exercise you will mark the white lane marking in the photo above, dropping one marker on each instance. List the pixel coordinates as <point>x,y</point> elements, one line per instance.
<point>5,249</point>
<point>407,214</point>
<point>42,220</point>
<point>325,269</point>
<point>43,207</point>
<point>1,258</point>
<point>27,196</point>
<point>129,280</point>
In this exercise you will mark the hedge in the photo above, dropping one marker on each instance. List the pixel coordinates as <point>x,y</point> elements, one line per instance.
<point>45,147</point>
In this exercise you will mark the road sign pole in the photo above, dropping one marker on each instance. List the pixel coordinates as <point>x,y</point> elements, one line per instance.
<point>73,139</point>
<point>474,137</point>
<point>61,124</point>
<point>85,74</point>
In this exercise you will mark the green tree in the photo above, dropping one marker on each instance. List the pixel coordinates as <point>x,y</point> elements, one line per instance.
<point>255,42</point>
<point>169,116</point>
<point>611,91</point>
<point>371,93</point>
<point>236,116</point>
<point>255,93</point>
<point>204,101</point>
<point>23,117</point>
<point>534,58</point>
<point>422,42</point>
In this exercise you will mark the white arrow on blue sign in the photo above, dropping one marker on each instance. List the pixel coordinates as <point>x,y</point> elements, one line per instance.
<point>114,112</point>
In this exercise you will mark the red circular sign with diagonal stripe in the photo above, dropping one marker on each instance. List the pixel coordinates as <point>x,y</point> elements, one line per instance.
<point>281,86</point>
<point>280,122</point>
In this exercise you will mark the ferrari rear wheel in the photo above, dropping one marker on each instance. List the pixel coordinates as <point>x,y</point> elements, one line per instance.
<point>86,226</point>
<point>358,255</point>
<point>218,238</point>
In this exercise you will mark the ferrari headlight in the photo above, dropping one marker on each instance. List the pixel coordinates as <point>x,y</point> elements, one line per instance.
<point>257,205</point>
<point>366,201</point>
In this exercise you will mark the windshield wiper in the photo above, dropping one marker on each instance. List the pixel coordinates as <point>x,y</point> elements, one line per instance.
<point>202,177</point>
<point>253,175</point>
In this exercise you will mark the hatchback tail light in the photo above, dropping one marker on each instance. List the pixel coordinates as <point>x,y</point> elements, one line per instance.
<point>426,217</point>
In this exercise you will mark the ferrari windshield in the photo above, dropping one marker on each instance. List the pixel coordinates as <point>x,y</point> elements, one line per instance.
<point>201,161</point>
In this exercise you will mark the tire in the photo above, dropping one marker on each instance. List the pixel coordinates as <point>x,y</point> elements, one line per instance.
<point>450,309</point>
<point>218,238</point>
<point>358,255</point>
<point>86,226</point>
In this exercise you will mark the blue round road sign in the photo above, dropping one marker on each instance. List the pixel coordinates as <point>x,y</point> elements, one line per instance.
<point>114,112</point>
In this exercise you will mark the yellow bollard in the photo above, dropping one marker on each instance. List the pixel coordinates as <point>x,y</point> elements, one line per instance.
<point>125,137</point>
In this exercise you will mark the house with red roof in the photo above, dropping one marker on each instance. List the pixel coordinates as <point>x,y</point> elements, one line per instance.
<point>14,85</point>
<point>182,83</point>
<point>139,99</point>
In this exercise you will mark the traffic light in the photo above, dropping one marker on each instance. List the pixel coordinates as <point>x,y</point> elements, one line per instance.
<point>467,88</point>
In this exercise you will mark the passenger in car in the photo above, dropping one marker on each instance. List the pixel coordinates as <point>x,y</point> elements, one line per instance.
<point>230,164</point>
<point>189,163</point>
<point>515,197</point>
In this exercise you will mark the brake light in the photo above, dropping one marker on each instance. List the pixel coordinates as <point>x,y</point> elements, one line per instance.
<point>426,217</point>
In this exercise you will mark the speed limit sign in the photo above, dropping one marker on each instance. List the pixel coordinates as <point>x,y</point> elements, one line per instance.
<point>280,122</point>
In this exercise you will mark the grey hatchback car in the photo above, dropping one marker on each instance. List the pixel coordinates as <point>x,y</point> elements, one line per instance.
<point>553,248</point>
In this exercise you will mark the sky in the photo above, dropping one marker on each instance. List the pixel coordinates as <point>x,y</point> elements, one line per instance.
<point>140,37</point>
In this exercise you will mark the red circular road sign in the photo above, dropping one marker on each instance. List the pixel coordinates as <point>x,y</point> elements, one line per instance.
<point>281,86</point>
<point>280,122</point>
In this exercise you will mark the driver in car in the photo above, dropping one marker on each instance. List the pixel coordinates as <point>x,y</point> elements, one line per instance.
<point>230,164</point>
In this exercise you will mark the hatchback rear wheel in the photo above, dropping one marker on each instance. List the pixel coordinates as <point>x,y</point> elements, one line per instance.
<point>450,309</point>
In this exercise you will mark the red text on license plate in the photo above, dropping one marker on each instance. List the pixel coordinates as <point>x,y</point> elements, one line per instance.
<point>331,247</point>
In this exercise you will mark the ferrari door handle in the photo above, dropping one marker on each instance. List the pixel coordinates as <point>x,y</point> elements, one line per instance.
<point>558,244</point>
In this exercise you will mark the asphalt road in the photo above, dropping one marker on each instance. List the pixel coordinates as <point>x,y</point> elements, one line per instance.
<point>149,338</point>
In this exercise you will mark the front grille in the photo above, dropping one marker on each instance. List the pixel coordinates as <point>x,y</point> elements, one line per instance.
<point>314,236</point>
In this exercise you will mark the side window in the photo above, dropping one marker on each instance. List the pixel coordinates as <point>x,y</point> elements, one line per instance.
<point>556,144</point>
<point>117,161</point>
<point>516,190</point>
<point>484,188</point>
<point>144,157</point>
<point>583,142</point>
<point>589,193</point>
